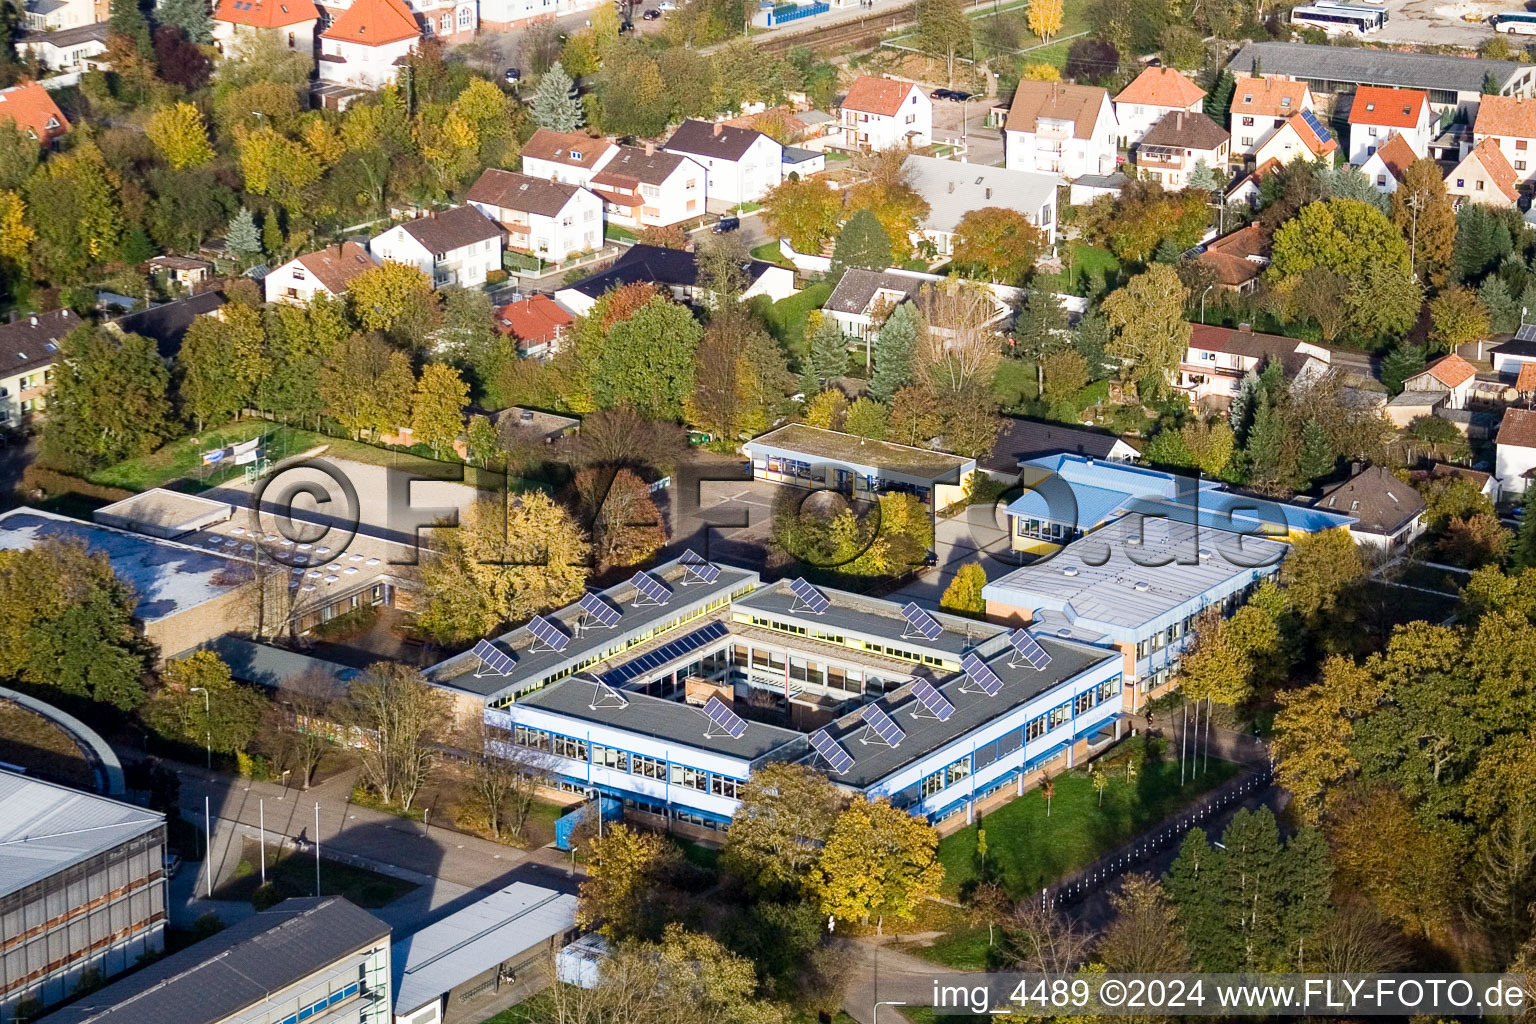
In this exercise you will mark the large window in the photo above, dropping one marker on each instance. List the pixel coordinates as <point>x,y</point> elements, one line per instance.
<point>689,778</point>
<point>722,785</point>
<point>647,767</point>
<point>564,746</point>
<point>535,739</point>
<point>610,757</point>
<point>1060,716</point>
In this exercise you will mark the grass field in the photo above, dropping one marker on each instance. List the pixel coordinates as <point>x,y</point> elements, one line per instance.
<point>786,318</point>
<point>1028,849</point>
<point>30,740</point>
<point>1084,260</point>
<point>294,875</point>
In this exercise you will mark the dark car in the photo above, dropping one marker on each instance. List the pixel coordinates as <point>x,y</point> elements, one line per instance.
<point>958,95</point>
<point>651,15</point>
<point>727,224</point>
<point>626,27</point>
<point>942,94</point>
<point>513,75</point>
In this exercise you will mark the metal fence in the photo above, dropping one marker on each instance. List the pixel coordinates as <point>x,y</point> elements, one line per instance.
<point>785,13</point>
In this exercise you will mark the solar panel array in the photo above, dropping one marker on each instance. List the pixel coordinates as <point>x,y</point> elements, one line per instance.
<point>700,569</point>
<point>937,704</point>
<point>549,632</point>
<point>981,674</point>
<point>1527,332</point>
<point>651,587</point>
<point>923,624</point>
<point>716,711</point>
<point>1323,133</point>
<point>882,725</point>
<point>813,599</point>
<point>493,658</point>
<point>599,610</point>
<point>661,655</point>
<point>833,751</point>
<point>1027,646</point>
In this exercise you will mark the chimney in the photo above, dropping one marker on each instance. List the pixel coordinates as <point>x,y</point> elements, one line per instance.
<point>951,188</point>
<point>989,191</point>
<point>1245,328</point>
<point>650,149</point>
<point>1178,123</point>
<point>718,129</point>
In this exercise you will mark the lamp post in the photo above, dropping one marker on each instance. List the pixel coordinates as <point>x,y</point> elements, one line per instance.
<point>207,723</point>
<point>1202,301</point>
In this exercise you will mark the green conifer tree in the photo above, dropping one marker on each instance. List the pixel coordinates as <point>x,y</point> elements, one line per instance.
<point>894,346</point>
<point>243,239</point>
<point>553,106</point>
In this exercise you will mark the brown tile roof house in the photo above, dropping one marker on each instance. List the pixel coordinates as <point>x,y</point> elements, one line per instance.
<point>452,229</point>
<point>570,148</point>
<point>1381,503</point>
<point>632,167</point>
<point>1316,144</point>
<point>512,191</point>
<point>1451,370</point>
<point>537,320</point>
<point>267,13</point>
<point>1447,471</point>
<point>32,342</point>
<point>1495,166</point>
<point>1238,258</point>
<point>1268,97</point>
<point>1391,108</point>
<point>1397,155</point>
<point>335,266</point>
<point>871,95</point>
<point>1161,87</point>
<point>712,139</point>
<point>1079,104</point>
<point>1526,381</point>
<point>1514,116</point>
<point>1518,428</point>
<point>1244,341</point>
<point>1179,129</point>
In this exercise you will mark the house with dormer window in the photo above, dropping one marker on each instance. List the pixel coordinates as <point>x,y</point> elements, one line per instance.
<point>460,246</point>
<point>34,112</point>
<point>365,46</point>
<point>29,348</point>
<point>1378,114</point>
<point>569,157</point>
<point>1260,108</point>
<point>325,272</point>
<point>236,22</point>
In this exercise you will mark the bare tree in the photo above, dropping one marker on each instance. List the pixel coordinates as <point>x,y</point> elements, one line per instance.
<point>309,702</point>
<point>1041,941</point>
<point>960,347</point>
<point>1358,940</point>
<point>504,780</point>
<point>398,714</point>
<point>1145,937</point>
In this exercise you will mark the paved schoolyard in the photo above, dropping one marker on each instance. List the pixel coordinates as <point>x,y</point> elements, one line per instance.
<point>979,534</point>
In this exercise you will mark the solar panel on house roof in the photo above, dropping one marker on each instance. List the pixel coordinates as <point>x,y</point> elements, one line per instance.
<point>599,610</point>
<point>1527,332</point>
<point>661,655</point>
<point>716,711</point>
<point>937,704</point>
<point>700,570</point>
<point>833,751</point>
<point>651,587</point>
<point>549,632</point>
<point>814,600</point>
<point>494,658</point>
<point>1029,648</point>
<point>981,674</point>
<point>923,624</point>
<point>882,725</point>
<point>1323,134</point>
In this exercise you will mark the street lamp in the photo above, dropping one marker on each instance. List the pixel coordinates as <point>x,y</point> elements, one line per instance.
<point>207,723</point>
<point>1202,301</point>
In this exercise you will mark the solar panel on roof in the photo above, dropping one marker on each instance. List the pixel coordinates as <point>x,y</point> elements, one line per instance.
<point>833,751</point>
<point>808,597</point>
<point>676,649</point>
<point>981,674</point>
<point>722,716</point>
<point>493,659</point>
<point>597,608</point>
<point>1527,332</point>
<point>549,633</point>
<point>1323,134</point>
<point>650,587</point>
<point>697,570</point>
<point>1029,649</point>
<point>932,700</point>
<point>919,622</point>
<point>882,725</point>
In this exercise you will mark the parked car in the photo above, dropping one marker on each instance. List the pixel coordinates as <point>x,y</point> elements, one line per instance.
<point>651,14</point>
<point>513,75</point>
<point>666,5</point>
<point>727,224</point>
<point>942,94</point>
<point>172,864</point>
<point>959,95</point>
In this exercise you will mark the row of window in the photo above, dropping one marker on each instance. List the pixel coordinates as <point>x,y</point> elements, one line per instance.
<point>621,760</point>
<point>322,1005</point>
<point>889,650</point>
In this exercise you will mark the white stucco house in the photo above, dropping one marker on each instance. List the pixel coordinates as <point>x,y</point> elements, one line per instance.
<point>458,246</point>
<point>1378,114</point>
<point>953,189</point>
<point>548,219</point>
<point>742,164</point>
<point>1068,130</point>
<point>1516,448</point>
<point>642,187</point>
<point>883,113</point>
<point>326,272</point>
<point>1155,93</point>
<point>365,45</point>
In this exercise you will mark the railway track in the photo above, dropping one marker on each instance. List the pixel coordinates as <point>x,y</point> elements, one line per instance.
<point>863,34</point>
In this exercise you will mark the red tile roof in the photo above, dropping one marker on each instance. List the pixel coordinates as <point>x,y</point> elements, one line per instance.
<point>1527,379</point>
<point>33,110</point>
<point>337,265</point>
<point>871,95</point>
<point>267,13</point>
<point>1394,108</point>
<point>374,23</point>
<point>1228,255</point>
<point>1451,370</point>
<point>1496,165</point>
<point>1162,87</point>
<point>574,149</point>
<point>1309,138</point>
<point>1397,155</point>
<point>1518,428</point>
<point>536,320</point>
<point>1271,97</point>
<point>1514,116</point>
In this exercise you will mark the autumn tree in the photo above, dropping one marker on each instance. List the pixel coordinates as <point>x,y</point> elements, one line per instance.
<point>776,835</point>
<point>944,30</point>
<point>395,298</point>
<point>1145,936</point>
<point>618,512</point>
<point>647,361</point>
<point>1064,374</point>
<point>878,862</point>
<point>307,702</point>
<point>1150,333</point>
<point>1318,572</point>
<point>886,191</point>
<point>77,212</point>
<point>867,418</point>
<point>222,362</point>
<point>1346,236</point>
<point>180,135</point>
<point>1045,18</point>
<point>1314,730</point>
<point>1422,212</point>
<point>963,595</point>
<point>1459,318</point>
<point>402,714</point>
<point>367,386</point>
<point>437,407</point>
<point>806,211</point>
<point>1002,242</point>
<point>108,401</point>
<point>632,878</point>
<point>199,702</point>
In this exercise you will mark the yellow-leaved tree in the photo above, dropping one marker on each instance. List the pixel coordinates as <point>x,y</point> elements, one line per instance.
<point>1045,18</point>
<point>878,862</point>
<point>16,235</point>
<point>180,135</point>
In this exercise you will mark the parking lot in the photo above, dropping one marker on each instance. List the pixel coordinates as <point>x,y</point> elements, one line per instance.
<point>1441,22</point>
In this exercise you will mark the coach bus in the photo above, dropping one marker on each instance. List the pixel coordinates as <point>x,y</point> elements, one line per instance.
<point>1516,23</point>
<point>1338,18</point>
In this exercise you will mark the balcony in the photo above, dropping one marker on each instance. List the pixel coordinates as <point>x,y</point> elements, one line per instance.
<point>1160,158</point>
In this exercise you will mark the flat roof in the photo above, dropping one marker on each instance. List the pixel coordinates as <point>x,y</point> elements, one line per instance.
<point>832,445</point>
<point>242,966</point>
<point>587,643</point>
<point>471,941</point>
<point>667,720</point>
<point>168,513</point>
<point>1361,65</point>
<point>874,760</point>
<point>1094,578</point>
<point>271,666</point>
<point>47,828</point>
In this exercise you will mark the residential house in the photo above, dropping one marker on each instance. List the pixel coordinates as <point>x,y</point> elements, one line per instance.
<point>57,15</point>
<point>1156,92</point>
<point>1246,188</point>
<point>862,297</point>
<point>740,164</point>
<point>1172,149</point>
<point>1238,258</point>
<point>953,189</point>
<point>365,46</point>
<point>34,112</point>
<point>325,271</point>
<point>569,157</point>
<point>1510,121</point>
<point>646,187</point>
<point>28,349</point>
<point>1260,107</point>
<point>1515,448</point>
<point>236,22</point>
<point>1388,513</point>
<point>1218,358</point>
<point>882,113</point>
<point>1054,128</point>
<point>1023,439</point>
<point>1450,376</point>
<point>1385,167</point>
<point>167,324</point>
<point>1302,135</point>
<point>548,219</point>
<point>457,246</point>
<point>1378,114</point>
<point>183,271</point>
<point>536,324</point>
<point>1486,483</point>
<point>675,270</point>
<point>68,49</point>
<point>1510,356</point>
<point>1485,176</point>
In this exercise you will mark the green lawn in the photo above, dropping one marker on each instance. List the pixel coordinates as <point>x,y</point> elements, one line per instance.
<point>614,233</point>
<point>1084,260</point>
<point>1027,850</point>
<point>294,875</point>
<point>769,252</point>
<point>1015,382</point>
<point>786,318</point>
